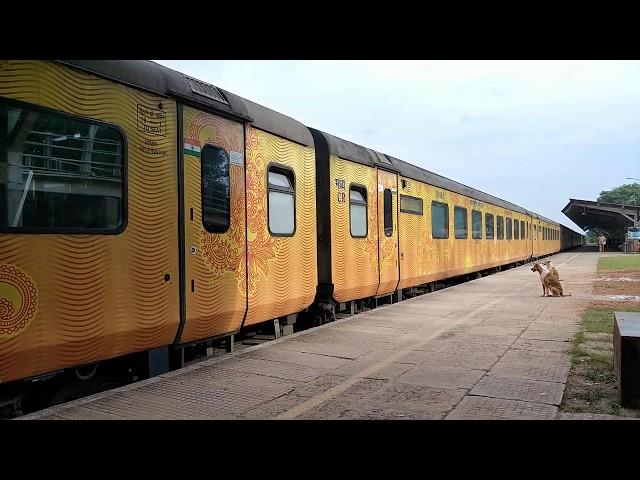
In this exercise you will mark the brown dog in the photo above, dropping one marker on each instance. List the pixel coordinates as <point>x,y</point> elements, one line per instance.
<point>552,269</point>
<point>549,282</point>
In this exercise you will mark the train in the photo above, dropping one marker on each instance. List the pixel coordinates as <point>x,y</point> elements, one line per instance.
<point>145,211</point>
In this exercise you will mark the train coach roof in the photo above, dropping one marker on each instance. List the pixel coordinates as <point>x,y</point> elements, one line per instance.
<point>155,78</point>
<point>357,153</point>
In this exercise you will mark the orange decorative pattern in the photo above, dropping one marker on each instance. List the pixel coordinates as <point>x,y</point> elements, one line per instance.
<point>388,246</point>
<point>18,300</point>
<point>282,271</point>
<point>216,300</point>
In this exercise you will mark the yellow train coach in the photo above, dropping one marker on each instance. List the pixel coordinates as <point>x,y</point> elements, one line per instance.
<point>144,210</point>
<point>385,225</point>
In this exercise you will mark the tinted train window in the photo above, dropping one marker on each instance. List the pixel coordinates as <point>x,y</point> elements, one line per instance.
<point>516,229</point>
<point>388,212</point>
<point>59,174</point>
<point>215,189</point>
<point>522,230</point>
<point>282,214</point>
<point>411,205</point>
<point>488,220</point>
<point>476,220</point>
<point>509,229</point>
<point>358,211</point>
<point>439,220</point>
<point>460,225</point>
<point>500,227</point>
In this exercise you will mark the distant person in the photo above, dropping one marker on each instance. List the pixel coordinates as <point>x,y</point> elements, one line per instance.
<point>602,241</point>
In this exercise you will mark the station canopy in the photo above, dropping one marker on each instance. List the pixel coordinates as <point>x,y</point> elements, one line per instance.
<point>609,218</point>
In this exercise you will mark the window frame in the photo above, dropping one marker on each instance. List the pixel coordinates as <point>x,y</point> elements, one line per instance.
<point>448,232</point>
<point>359,186</point>
<point>466,222</point>
<point>412,212</point>
<point>516,229</point>
<point>214,232</point>
<point>508,228</point>
<point>493,226</point>
<point>283,168</point>
<point>481,225</point>
<point>498,232</point>
<point>384,212</point>
<point>125,177</point>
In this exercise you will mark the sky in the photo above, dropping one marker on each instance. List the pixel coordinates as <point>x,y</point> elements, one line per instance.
<point>535,133</point>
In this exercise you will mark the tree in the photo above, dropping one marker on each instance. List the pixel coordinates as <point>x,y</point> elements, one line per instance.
<point>628,194</point>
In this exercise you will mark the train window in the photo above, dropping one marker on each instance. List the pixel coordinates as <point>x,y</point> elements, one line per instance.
<point>439,220</point>
<point>460,225</point>
<point>509,228</point>
<point>215,189</point>
<point>411,205</point>
<point>476,227</point>
<point>500,227</point>
<point>488,220</point>
<point>516,229</point>
<point>388,212</point>
<point>59,173</point>
<point>358,211</point>
<point>522,230</point>
<point>281,202</point>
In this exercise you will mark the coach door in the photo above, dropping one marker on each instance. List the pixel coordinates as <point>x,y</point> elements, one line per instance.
<point>387,231</point>
<point>214,225</point>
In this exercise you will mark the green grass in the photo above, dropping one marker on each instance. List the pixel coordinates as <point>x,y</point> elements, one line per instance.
<point>618,262</point>
<point>595,367</point>
<point>595,320</point>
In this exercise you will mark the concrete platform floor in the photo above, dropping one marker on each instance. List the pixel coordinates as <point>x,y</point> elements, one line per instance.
<point>492,348</point>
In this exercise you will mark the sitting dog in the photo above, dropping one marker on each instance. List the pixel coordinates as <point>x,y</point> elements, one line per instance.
<point>549,282</point>
<point>552,269</point>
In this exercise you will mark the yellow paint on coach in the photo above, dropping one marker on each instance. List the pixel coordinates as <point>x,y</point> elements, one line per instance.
<point>282,275</point>
<point>98,296</point>
<point>425,259</point>
<point>215,263</point>
<point>354,261</point>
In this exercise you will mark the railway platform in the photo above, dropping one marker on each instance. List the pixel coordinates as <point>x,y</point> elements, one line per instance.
<point>491,348</point>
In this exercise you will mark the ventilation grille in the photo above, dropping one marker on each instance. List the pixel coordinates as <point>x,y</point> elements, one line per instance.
<point>206,90</point>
